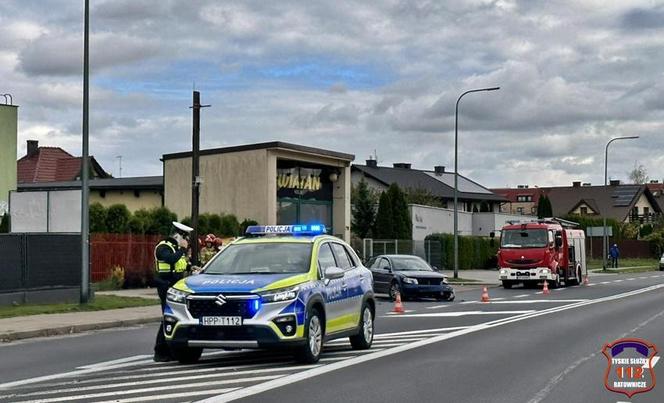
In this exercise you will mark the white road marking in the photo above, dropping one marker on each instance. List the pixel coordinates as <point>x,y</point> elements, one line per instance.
<point>286,380</point>
<point>113,362</point>
<point>522,296</point>
<point>618,281</point>
<point>398,313</point>
<point>605,282</point>
<point>440,329</point>
<point>439,306</point>
<point>171,396</point>
<point>461,313</point>
<point>631,278</point>
<point>352,352</point>
<point>559,289</point>
<point>534,301</point>
<point>143,390</point>
<point>542,292</point>
<point>497,299</point>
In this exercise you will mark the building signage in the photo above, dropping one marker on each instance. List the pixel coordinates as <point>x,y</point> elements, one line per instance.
<point>290,179</point>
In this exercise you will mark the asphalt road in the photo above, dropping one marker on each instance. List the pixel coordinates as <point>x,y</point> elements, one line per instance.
<point>522,347</point>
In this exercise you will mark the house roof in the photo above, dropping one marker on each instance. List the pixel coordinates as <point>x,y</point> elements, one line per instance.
<point>51,164</point>
<point>611,201</point>
<point>439,185</point>
<point>132,183</point>
<point>511,194</point>
<point>261,146</point>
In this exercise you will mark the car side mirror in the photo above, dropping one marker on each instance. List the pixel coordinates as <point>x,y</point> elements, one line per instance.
<point>333,273</point>
<point>435,268</point>
<point>492,234</point>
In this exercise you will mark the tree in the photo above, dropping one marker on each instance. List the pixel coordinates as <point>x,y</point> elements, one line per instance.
<point>4,224</point>
<point>403,228</point>
<point>638,175</point>
<point>364,210</point>
<point>422,197</point>
<point>229,226</point>
<point>117,219</point>
<point>160,221</point>
<point>97,218</point>
<point>384,224</point>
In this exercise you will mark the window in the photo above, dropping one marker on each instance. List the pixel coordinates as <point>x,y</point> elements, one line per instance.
<point>646,211</point>
<point>341,256</point>
<point>262,258</point>
<point>584,210</point>
<point>354,260</point>
<point>325,257</point>
<point>524,198</point>
<point>380,263</point>
<point>519,210</point>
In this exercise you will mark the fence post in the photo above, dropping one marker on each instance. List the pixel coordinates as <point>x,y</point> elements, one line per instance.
<point>396,246</point>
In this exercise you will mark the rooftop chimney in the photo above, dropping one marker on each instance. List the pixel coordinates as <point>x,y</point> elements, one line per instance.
<point>614,182</point>
<point>372,163</point>
<point>576,184</point>
<point>654,181</point>
<point>33,147</point>
<point>439,170</point>
<point>522,186</point>
<point>404,165</point>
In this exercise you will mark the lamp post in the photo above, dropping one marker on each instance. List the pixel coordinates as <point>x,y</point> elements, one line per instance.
<point>456,176</point>
<point>605,240</point>
<point>85,191</point>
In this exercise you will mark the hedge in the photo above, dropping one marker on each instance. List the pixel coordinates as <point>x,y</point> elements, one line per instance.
<point>474,252</point>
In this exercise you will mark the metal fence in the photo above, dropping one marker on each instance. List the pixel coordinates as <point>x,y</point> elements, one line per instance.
<point>134,253</point>
<point>427,250</point>
<point>30,261</point>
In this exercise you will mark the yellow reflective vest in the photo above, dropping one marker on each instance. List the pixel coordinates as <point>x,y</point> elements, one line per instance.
<point>164,267</point>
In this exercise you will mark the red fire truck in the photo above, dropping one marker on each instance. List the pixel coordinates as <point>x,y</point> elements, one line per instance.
<point>552,250</point>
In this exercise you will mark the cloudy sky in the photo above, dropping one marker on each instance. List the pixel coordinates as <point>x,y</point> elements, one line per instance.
<point>350,76</point>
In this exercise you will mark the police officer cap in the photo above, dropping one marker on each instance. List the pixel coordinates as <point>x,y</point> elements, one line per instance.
<point>182,228</point>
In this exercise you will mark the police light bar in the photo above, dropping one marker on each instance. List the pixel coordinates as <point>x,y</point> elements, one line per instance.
<point>314,229</point>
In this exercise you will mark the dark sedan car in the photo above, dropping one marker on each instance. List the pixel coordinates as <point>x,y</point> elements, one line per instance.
<point>410,276</point>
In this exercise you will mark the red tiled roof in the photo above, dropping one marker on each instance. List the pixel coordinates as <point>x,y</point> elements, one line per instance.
<point>511,193</point>
<point>52,164</point>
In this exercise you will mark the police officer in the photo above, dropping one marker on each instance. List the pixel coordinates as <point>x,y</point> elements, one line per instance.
<point>170,264</point>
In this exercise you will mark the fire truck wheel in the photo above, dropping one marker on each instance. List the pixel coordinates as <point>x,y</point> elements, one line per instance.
<point>507,284</point>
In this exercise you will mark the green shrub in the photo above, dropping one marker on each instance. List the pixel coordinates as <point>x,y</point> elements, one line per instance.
<point>246,223</point>
<point>160,221</point>
<point>230,226</point>
<point>474,252</point>
<point>117,219</point>
<point>114,282</point>
<point>97,218</point>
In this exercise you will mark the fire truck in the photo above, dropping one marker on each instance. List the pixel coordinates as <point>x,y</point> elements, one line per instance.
<point>552,250</point>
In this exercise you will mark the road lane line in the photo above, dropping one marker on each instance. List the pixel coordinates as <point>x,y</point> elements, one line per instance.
<point>289,379</point>
<point>113,362</point>
<point>352,352</point>
<point>522,296</point>
<point>141,390</point>
<point>497,299</point>
<point>534,301</point>
<point>439,306</point>
<point>461,313</point>
<point>171,396</point>
<point>440,329</point>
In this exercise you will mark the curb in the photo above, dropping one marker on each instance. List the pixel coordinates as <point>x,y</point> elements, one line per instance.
<point>58,331</point>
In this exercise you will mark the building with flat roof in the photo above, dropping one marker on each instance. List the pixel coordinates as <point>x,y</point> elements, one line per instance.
<point>272,183</point>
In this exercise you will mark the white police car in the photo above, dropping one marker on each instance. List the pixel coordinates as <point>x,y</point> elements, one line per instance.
<point>278,286</point>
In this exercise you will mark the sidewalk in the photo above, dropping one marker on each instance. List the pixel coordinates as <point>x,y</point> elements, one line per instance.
<point>481,277</point>
<point>150,293</point>
<point>24,327</point>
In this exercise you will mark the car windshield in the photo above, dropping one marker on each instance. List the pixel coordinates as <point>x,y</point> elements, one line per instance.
<point>410,264</point>
<point>525,238</point>
<point>262,258</point>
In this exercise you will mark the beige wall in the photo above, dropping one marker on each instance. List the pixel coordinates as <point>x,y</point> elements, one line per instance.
<point>642,203</point>
<point>234,183</point>
<point>147,199</point>
<point>511,208</point>
<point>244,183</point>
<point>8,133</point>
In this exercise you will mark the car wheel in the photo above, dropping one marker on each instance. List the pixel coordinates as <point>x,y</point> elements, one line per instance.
<point>555,283</point>
<point>576,280</point>
<point>187,355</point>
<point>394,290</point>
<point>309,353</point>
<point>508,284</point>
<point>363,339</point>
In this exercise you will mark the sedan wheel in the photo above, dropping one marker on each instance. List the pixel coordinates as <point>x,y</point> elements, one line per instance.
<point>394,290</point>
<point>363,339</point>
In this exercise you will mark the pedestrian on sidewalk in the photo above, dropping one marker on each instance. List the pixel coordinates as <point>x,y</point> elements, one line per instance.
<point>170,264</point>
<point>614,252</point>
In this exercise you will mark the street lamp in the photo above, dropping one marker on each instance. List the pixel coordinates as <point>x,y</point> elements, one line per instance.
<point>605,240</point>
<point>456,176</point>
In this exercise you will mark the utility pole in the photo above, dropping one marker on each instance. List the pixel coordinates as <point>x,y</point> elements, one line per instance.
<point>85,195</point>
<point>119,157</point>
<point>195,174</point>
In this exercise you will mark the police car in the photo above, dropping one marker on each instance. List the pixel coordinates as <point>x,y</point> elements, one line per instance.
<point>279,286</point>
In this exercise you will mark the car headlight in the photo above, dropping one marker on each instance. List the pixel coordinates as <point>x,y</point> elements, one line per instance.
<point>282,294</point>
<point>544,271</point>
<point>175,295</point>
<point>409,280</point>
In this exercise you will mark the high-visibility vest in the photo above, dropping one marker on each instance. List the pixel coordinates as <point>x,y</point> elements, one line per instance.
<point>164,267</point>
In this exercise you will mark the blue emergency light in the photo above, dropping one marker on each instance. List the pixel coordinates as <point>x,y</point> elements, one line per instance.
<point>313,229</point>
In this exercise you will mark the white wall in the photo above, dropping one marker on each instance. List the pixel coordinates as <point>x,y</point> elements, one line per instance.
<point>485,223</point>
<point>432,220</point>
<point>53,211</point>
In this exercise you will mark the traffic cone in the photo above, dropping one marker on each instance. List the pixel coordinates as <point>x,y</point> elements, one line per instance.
<point>545,289</point>
<point>398,306</point>
<point>485,295</point>
<point>585,280</point>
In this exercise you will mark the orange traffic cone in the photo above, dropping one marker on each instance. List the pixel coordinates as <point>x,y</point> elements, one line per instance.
<point>545,289</point>
<point>398,306</point>
<point>485,295</point>
<point>585,280</point>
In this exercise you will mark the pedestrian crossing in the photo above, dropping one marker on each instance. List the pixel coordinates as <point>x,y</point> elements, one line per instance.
<point>141,380</point>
